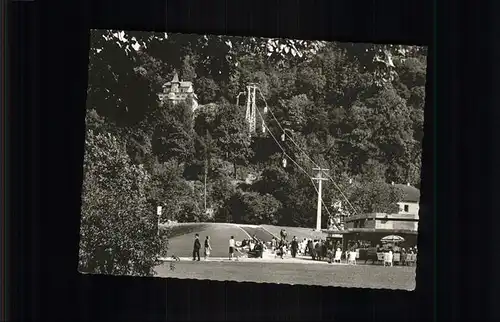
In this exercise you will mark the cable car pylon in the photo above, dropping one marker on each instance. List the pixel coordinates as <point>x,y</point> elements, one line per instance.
<point>251,108</point>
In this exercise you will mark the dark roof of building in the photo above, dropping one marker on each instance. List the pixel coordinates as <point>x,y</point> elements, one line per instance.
<point>175,79</point>
<point>386,216</point>
<point>351,231</point>
<point>411,194</point>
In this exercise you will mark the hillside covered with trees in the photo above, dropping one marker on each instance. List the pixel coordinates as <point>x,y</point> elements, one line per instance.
<point>356,109</point>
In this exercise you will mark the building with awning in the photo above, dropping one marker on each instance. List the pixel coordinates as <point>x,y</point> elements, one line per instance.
<point>374,235</point>
<point>401,221</point>
<point>373,227</point>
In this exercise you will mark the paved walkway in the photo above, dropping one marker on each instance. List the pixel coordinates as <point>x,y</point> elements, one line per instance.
<point>267,259</point>
<point>259,232</point>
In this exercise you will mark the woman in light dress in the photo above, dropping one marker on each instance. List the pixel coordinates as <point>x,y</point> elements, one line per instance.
<point>208,247</point>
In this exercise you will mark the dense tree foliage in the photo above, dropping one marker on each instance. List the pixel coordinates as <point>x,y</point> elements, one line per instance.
<point>356,109</point>
<point>118,228</point>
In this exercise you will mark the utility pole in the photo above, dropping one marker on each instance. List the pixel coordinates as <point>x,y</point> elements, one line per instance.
<point>206,171</point>
<point>320,186</point>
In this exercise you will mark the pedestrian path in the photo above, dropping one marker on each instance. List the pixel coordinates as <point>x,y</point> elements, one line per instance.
<point>297,260</point>
<point>258,232</point>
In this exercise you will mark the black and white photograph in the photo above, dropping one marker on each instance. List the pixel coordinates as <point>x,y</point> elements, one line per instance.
<point>251,159</point>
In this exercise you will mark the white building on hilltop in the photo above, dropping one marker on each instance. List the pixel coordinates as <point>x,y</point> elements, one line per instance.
<point>178,91</point>
<point>411,199</point>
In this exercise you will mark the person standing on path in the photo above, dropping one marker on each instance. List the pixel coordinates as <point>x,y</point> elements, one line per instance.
<point>196,247</point>
<point>282,248</point>
<point>294,246</point>
<point>316,250</point>
<point>231,247</point>
<point>324,249</point>
<point>208,247</point>
<point>310,248</point>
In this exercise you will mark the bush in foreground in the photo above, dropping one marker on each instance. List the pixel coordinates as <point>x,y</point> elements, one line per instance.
<point>118,229</point>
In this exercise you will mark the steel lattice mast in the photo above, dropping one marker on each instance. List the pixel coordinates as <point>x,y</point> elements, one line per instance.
<point>251,106</point>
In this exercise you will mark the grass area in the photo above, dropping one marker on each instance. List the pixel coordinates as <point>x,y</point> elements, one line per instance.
<point>301,233</point>
<point>182,238</point>
<point>364,276</point>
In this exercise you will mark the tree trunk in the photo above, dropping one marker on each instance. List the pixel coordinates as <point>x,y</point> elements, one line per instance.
<point>234,165</point>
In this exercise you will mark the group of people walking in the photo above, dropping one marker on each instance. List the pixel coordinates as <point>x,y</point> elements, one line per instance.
<point>197,246</point>
<point>317,249</point>
<point>255,246</point>
<point>281,247</point>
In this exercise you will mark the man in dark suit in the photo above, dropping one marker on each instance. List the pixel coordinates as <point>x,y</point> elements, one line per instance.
<point>196,247</point>
<point>294,246</point>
